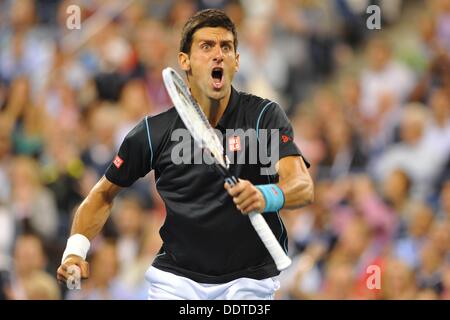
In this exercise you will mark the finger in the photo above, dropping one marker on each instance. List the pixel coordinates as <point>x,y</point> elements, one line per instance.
<point>243,197</point>
<point>62,280</point>
<point>253,207</point>
<point>61,270</point>
<point>84,269</point>
<point>236,190</point>
<point>246,202</point>
<point>61,275</point>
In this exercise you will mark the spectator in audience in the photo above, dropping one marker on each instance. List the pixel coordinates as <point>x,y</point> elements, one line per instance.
<point>153,49</point>
<point>261,69</point>
<point>150,243</point>
<point>5,156</point>
<point>444,203</point>
<point>28,274</point>
<point>41,286</point>
<point>397,282</point>
<point>429,272</point>
<point>416,224</point>
<point>439,236</point>
<point>6,238</point>
<point>445,294</point>
<point>441,14</point>
<point>103,122</point>
<point>385,85</point>
<point>28,132</point>
<point>33,205</point>
<point>427,163</point>
<point>374,123</point>
<point>26,49</point>
<point>339,281</point>
<point>437,132</point>
<point>103,284</point>
<point>396,190</point>
<point>129,222</point>
<point>304,278</point>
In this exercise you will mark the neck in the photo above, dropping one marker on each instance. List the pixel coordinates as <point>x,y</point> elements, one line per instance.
<point>213,109</point>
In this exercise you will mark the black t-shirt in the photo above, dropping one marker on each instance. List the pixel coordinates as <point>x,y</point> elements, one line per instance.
<point>205,238</point>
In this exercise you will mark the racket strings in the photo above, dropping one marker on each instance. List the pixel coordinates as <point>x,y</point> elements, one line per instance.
<point>197,123</point>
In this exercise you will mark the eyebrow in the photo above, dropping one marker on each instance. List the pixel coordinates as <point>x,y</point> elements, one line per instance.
<point>209,41</point>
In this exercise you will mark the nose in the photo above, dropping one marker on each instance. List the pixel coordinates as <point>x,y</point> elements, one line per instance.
<point>218,54</point>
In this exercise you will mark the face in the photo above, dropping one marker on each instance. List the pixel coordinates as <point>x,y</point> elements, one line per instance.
<point>440,104</point>
<point>28,255</point>
<point>105,264</point>
<point>212,62</point>
<point>379,55</point>
<point>396,185</point>
<point>411,130</point>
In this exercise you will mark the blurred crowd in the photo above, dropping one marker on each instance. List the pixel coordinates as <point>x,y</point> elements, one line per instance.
<point>378,138</point>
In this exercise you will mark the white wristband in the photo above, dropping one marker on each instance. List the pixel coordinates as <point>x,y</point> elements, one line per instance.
<point>77,245</point>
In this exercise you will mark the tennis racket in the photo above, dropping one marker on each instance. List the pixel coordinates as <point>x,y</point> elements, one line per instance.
<point>198,125</point>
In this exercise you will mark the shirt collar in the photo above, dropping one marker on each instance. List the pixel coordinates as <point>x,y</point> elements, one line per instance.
<point>232,104</point>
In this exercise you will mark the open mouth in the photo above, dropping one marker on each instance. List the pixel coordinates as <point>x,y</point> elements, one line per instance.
<point>217,76</point>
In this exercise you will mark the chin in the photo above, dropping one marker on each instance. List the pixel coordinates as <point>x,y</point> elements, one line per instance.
<point>217,95</point>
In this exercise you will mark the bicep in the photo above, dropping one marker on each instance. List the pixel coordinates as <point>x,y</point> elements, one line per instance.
<point>134,158</point>
<point>281,139</point>
<point>292,167</point>
<point>95,209</point>
<point>106,189</point>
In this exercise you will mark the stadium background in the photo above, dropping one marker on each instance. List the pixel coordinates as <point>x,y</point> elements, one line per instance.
<point>370,109</point>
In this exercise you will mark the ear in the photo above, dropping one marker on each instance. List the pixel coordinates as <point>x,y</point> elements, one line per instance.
<point>236,68</point>
<point>184,61</point>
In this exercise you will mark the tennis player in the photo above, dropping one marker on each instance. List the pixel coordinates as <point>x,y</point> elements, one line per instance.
<point>210,249</point>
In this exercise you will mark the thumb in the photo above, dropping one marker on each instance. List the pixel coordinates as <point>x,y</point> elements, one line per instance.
<point>84,268</point>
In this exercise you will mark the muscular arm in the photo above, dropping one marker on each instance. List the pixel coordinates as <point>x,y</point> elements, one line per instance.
<point>295,181</point>
<point>88,221</point>
<point>95,209</point>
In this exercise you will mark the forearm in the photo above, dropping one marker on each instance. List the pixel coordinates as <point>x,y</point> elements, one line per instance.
<point>298,192</point>
<point>90,217</point>
<point>296,184</point>
<point>94,210</point>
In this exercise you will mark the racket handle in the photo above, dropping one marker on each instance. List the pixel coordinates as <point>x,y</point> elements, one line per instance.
<point>264,232</point>
<point>273,246</point>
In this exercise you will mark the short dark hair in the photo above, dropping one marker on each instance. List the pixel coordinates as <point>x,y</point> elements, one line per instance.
<point>203,19</point>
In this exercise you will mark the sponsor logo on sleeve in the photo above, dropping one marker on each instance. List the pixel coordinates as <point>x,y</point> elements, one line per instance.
<point>118,162</point>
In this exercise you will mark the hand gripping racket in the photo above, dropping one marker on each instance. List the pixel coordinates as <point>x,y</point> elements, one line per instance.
<point>198,125</point>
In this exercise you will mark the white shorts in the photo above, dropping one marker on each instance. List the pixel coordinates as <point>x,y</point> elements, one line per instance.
<point>168,286</point>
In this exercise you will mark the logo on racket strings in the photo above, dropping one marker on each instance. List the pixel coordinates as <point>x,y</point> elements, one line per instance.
<point>74,279</point>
